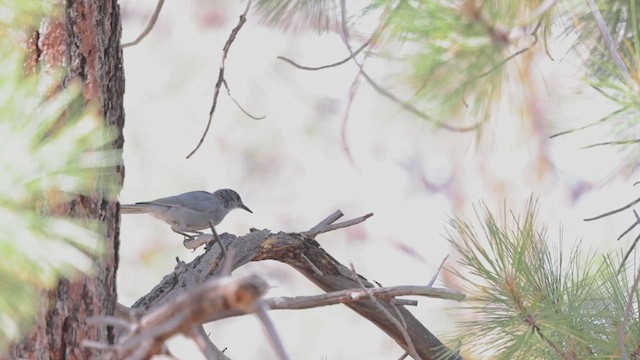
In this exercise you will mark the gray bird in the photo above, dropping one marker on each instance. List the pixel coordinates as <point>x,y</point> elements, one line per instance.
<point>191,211</point>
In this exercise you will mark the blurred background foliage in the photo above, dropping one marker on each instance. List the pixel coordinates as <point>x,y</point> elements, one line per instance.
<point>50,151</point>
<point>459,61</point>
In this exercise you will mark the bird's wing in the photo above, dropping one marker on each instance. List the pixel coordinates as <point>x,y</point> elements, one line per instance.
<point>194,200</point>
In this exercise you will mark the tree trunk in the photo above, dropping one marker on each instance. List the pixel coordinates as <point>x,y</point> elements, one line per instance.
<point>85,40</point>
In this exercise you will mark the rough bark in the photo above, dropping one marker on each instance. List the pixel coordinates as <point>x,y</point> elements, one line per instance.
<point>303,253</point>
<point>85,41</point>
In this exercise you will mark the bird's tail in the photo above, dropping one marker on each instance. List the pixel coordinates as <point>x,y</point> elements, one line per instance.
<point>132,209</point>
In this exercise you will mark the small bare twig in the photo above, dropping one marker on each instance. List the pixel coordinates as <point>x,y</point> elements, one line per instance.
<point>435,276</point>
<point>149,27</point>
<point>403,329</point>
<point>629,205</point>
<point>226,86</point>
<point>343,61</point>
<point>327,221</point>
<point>605,118</point>
<point>627,315</point>
<point>633,245</point>
<point>613,142</point>
<point>216,92</point>
<point>353,89</point>
<point>206,346</point>
<point>262,312</point>
<point>319,229</point>
<point>353,295</point>
<point>635,223</point>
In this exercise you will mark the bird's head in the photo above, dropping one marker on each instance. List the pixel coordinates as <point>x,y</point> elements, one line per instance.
<point>231,199</point>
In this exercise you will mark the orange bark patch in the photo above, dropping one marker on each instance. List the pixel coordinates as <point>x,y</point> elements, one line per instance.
<point>52,43</point>
<point>85,18</point>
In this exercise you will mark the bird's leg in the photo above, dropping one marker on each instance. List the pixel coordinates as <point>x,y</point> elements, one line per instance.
<point>187,236</point>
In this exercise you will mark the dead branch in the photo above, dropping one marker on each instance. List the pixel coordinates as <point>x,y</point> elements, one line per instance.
<point>357,294</point>
<point>183,313</point>
<point>327,273</point>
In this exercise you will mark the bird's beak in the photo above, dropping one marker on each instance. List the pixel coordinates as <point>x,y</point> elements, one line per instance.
<point>243,206</point>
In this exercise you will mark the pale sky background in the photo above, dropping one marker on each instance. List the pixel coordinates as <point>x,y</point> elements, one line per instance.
<point>291,170</point>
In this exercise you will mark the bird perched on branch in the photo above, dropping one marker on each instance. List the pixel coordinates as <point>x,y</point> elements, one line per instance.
<point>191,211</point>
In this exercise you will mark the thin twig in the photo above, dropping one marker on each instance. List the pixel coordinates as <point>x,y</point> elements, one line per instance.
<point>606,35</point>
<point>614,142</point>
<point>216,92</point>
<point>226,86</point>
<point>633,246</point>
<point>353,89</point>
<point>149,27</point>
<point>605,118</point>
<point>331,227</point>
<point>435,276</point>
<point>411,349</point>
<point>627,315</point>
<point>327,221</point>
<point>262,311</point>
<point>554,346</point>
<point>629,205</point>
<point>206,346</point>
<point>343,61</point>
<point>353,295</point>
<point>635,223</point>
